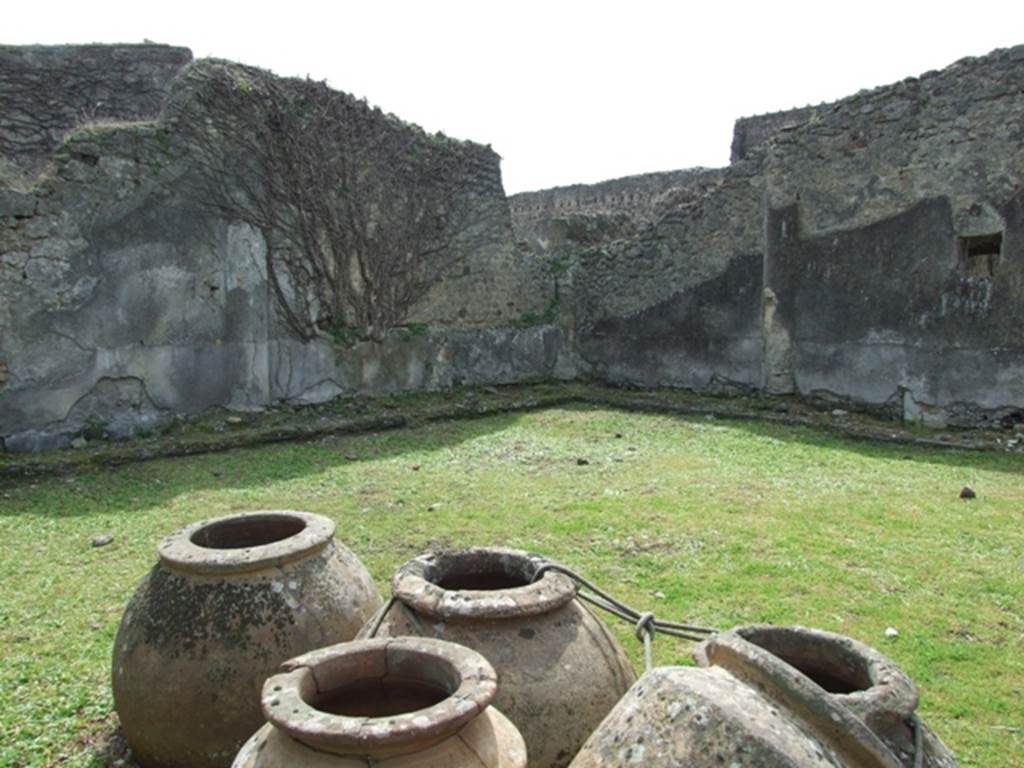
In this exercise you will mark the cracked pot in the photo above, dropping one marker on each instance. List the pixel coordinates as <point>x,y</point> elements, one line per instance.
<point>769,697</point>
<point>559,668</point>
<point>229,600</point>
<point>394,703</point>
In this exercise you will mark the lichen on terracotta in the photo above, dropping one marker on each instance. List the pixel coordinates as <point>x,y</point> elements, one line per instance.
<point>559,667</point>
<point>229,600</point>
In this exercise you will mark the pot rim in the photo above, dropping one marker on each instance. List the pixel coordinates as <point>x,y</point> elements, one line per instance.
<point>415,585</point>
<point>469,678</point>
<point>848,719</point>
<point>179,551</point>
<point>890,689</point>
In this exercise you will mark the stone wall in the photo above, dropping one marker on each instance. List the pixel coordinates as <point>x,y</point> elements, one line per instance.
<point>751,135</point>
<point>678,304</point>
<point>124,301</point>
<point>869,251</point>
<point>894,249</point>
<point>622,207</point>
<point>865,251</point>
<point>658,277</point>
<point>47,91</point>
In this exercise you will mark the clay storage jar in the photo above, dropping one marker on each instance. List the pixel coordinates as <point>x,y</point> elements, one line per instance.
<point>229,600</point>
<point>559,668</point>
<point>769,696</point>
<point>388,703</point>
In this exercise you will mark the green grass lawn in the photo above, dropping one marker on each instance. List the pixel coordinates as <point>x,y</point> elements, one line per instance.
<point>722,523</point>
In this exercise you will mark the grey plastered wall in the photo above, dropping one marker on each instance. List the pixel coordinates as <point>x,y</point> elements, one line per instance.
<point>679,304</point>
<point>888,313</point>
<point>123,303</point>
<point>868,201</point>
<point>860,291</point>
<point>826,259</point>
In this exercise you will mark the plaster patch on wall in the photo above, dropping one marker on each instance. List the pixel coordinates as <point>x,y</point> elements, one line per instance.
<point>778,348</point>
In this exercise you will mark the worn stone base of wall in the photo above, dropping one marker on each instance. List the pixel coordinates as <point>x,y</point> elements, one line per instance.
<point>430,360</point>
<point>118,406</point>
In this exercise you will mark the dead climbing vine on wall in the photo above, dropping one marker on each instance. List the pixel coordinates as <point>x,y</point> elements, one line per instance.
<point>356,209</point>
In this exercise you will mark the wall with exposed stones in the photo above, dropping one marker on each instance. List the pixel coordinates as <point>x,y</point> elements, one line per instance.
<point>123,302</point>
<point>865,252</point>
<point>751,135</point>
<point>662,293</point>
<point>47,91</point>
<point>869,252</point>
<point>894,245</point>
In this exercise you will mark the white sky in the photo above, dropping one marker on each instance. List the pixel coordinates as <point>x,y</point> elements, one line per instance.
<point>565,91</point>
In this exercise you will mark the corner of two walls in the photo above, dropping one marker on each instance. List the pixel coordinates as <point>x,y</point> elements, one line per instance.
<point>125,305</point>
<point>869,251</point>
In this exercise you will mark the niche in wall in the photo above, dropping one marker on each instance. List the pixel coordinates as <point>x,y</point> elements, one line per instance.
<point>980,254</point>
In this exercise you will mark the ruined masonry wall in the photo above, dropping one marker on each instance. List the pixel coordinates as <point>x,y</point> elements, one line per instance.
<point>872,204</point>
<point>842,255</point>
<point>47,91</point>
<point>751,135</point>
<point>869,251</point>
<point>123,303</point>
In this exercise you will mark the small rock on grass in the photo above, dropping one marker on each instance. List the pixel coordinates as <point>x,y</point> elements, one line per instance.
<point>582,462</point>
<point>967,493</point>
<point>102,540</point>
<point>892,632</point>
<point>79,442</point>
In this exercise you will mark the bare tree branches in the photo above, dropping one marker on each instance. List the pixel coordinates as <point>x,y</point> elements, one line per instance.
<point>355,207</point>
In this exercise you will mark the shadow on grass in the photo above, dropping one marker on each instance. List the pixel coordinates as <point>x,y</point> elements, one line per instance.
<point>829,439</point>
<point>142,485</point>
<point>107,747</point>
<point>154,483</point>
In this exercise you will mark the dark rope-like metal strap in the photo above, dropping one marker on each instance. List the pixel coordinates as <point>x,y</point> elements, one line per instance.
<point>381,616</point>
<point>379,619</point>
<point>915,726</point>
<point>646,625</point>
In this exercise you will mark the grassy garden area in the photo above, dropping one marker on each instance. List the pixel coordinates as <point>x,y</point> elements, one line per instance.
<point>720,523</point>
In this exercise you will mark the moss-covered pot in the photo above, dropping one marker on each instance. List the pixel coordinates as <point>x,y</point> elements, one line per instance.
<point>228,601</point>
<point>559,668</point>
<point>769,696</point>
<point>390,703</point>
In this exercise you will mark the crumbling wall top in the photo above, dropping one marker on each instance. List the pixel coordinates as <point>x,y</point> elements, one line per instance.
<point>48,90</point>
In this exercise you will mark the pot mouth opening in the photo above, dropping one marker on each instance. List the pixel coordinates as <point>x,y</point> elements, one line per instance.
<point>249,531</point>
<point>481,583</point>
<point>481,573</point>
<point>379,697</point>
<point>830,663</point>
